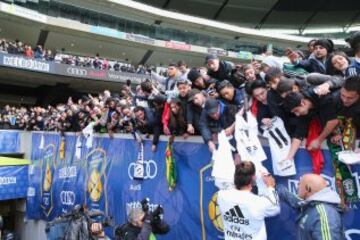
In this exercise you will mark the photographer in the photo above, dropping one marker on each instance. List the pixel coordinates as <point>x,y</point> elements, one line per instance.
<point>142,223</point>
<point>137,228</point>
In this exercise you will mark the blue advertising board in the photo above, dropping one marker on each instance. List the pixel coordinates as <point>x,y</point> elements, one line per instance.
<point>9,142</point>
<point>13,182</point>
<point>102,179</point>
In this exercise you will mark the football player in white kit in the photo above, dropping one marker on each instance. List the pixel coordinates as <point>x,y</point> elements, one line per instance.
<point>243,213</point>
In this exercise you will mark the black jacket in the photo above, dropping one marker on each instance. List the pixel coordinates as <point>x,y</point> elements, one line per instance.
<point>131,232</point>
<point>209,126</point>
<point>224,71</point>
<point>344,113</point>
<point>152,125</point>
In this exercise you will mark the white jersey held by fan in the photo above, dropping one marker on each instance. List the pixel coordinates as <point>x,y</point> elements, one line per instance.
<point>247,141</point>
<point>280,143</point>
<point>223,163</point>
<point>249,146</point>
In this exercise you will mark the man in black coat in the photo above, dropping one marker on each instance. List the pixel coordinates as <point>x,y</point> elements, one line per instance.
<point>215,117</point>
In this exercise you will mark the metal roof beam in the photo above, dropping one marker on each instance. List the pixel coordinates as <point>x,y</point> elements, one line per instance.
<point>311,17</point>
<point>351,21</point>
<point>166,4</point>
<point>217,14</point>
<point>266,16</point>
<point>146,57</point>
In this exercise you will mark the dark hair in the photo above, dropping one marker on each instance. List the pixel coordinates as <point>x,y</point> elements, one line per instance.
<point>312,41</point>
<point>354,41</point>
<point>139,108</point>
<point>326,43</point>
<point>272,73</point>
<point>223,84</point>
<point>285,85</point>
<point>352,84</point>
<point>146,86</point>
<point>244,174</point>
<point>293,100</point>
<point>258,83</point>
<point>237,77</point>
<point>181,63</point>
<point>330,70</point>
<point>172,64</point>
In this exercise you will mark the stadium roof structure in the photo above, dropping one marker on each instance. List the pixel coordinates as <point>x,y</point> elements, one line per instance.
<point>338,15</point>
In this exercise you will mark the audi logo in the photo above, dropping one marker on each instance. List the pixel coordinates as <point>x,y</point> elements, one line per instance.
<point>77,71</point>
<point>150,169</point>
<point>352,233</point>
<point>67,198</point>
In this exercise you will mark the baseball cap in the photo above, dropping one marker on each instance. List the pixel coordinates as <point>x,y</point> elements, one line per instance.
<point>192,94</point>
<point>211,106</point>
<point>210,57</point>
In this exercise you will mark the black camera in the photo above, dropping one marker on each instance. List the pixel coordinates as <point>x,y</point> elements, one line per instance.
<point>158,225</point>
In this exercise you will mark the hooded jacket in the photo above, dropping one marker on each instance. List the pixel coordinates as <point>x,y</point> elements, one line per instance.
<point>319,216</point>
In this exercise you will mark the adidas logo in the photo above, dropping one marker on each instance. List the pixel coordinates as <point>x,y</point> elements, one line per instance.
<point>234,215</point>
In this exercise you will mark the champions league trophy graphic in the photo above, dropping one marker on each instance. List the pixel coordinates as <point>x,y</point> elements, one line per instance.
<point>95,184</point>
<point>48,167</point>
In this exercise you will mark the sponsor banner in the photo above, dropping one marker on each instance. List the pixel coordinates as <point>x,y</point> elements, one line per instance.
<point>18,61</point>
<point>140,38</point>
<point>245,55</point>
<point>107,75</point>
<point>9,142</point>
<point>107,32</point>
<point>23,12</point>
<point>103,179</point>
<point>217,51</point>
<point>13,182</point>
<point>178,45</point>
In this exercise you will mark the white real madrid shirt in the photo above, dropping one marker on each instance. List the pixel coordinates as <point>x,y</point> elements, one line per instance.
<point>280,144</point>
<point>243,213</point>
<point>223,163</point>
<point>247,141</point>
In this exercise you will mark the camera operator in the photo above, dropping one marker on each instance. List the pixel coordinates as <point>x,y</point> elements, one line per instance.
<point>142,224</point>
<point>137,228</point>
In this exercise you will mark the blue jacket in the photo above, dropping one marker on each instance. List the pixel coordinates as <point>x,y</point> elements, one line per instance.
<point>209,126</point>
<point>312,64</point>
<point>319,216</point>
<point>238,99</point>
<point>353,69</point>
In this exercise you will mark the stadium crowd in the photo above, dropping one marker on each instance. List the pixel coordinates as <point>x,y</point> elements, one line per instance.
<point>316,95</point>
<point>205,100</point>
<point>19,48</point>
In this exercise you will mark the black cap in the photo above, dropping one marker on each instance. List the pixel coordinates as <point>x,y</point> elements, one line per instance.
<point>193,74</point>
<point>326,43</point>
<point>354,40</point>
<point>210,57</point>
<point>192,94</point>
<point>211,106</point>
